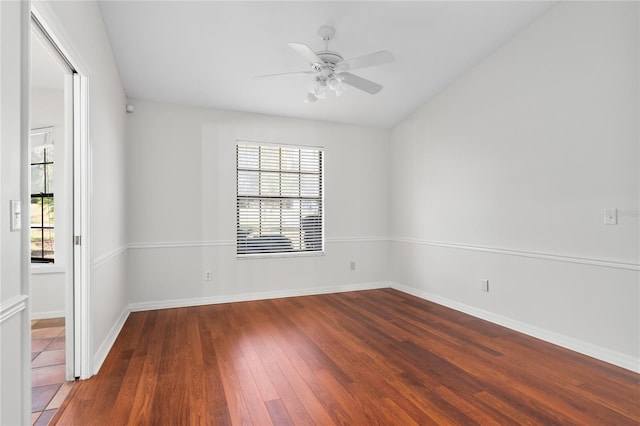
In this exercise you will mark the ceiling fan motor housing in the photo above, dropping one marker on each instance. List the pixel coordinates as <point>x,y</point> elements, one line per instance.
<point>329,57</point>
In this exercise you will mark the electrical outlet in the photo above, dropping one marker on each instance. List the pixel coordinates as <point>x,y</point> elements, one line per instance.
<point>610,216</point>
<point>485,285</point>
<point>352,265</point>
<point>207,275</point>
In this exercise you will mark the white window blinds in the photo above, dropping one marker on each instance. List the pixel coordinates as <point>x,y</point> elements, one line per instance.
<point>279,199</point>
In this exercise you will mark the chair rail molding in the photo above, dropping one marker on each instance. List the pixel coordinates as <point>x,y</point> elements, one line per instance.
<point>607,263</point>
<point>12,307</point>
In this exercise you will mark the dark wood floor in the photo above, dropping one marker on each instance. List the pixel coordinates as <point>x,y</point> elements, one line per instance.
<point>360,358</point>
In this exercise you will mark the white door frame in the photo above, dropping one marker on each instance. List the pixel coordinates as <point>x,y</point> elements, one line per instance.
<point>77,283</point>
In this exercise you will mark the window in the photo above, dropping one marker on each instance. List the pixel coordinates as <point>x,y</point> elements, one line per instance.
<point>279,199</point>
<point>42,205</point>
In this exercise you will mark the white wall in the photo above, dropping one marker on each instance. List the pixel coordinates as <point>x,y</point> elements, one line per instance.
<point>523,154</point>
<point>181,206</point>
<point>48,280</point>
<point>15,379</point>
<point>82,25</point>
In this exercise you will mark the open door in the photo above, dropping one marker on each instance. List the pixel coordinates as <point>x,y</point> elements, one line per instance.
<point>76,223</point>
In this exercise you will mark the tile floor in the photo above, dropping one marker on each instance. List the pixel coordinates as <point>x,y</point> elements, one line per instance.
<point>48,385</point>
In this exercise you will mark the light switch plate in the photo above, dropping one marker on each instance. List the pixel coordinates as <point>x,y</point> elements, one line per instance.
<point>15,215</point>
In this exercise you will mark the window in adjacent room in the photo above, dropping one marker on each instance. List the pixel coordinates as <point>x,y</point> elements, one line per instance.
<point>279,200</point>
<point>42,207</point>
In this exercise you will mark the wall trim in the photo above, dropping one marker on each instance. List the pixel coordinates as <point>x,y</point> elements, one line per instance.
<point>358,240</point>
<point>179,244</point>
<point>576,345</point>
<point>41,270</point>
<point>245,297</point>
<point>607,263</point>
<point>100,261</point>
<point>12,307</point>
<point>232,243</point>
<point>107,343</point>
<point>48,315</point>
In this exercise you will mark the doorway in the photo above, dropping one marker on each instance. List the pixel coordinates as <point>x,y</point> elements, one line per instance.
<point>59,219</point>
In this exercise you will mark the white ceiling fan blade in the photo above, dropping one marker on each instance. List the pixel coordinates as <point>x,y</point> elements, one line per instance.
<point>306,52</point>
<point>286,73</point>
<point>360,83</point>
<point>370,60</point>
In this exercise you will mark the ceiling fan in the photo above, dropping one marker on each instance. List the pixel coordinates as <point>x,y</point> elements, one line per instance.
<point>331,71</point>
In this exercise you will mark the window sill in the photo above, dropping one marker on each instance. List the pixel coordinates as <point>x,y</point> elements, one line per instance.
<point>288,255</point>
<point>46,269</point>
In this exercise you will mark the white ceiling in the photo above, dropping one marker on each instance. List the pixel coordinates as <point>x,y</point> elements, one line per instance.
<point>207,53</point>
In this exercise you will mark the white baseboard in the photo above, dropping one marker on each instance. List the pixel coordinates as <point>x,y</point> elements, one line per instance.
<point>107,343</point>
<point>213,300</point>
<point>594,351</point>
<point>48,315</point>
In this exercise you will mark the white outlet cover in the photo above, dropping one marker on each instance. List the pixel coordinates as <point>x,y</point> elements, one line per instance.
<point>610,216</point>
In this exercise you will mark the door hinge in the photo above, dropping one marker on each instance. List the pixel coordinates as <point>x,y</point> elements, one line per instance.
<point>77,240</point>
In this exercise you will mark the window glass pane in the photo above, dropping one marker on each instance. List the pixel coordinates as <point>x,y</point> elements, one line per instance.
<point>290,185</point>
<point>291,160</point>
<point>47,243</point>
<point>48,153</point>
<point>248,182</point>
<point>312,227</point>
<point>48,183</point>
<point>47,211</point>
<point>270,184</point>
<point>310,208</point>
<point>310,161</point>
<point>310,185</point>
<point>37,179</point>
<point>36,242</point>
<point>248,157</point>
<point>36,211</point>
<point>269,158</point>
<point>37,154</point>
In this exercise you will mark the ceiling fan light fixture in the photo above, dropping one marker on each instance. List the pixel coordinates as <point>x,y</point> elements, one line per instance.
<point>318,88</point>
<point>334,83</point>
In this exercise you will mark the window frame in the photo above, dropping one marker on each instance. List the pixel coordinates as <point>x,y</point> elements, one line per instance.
<point>321,166</point>
<point>47,194</point>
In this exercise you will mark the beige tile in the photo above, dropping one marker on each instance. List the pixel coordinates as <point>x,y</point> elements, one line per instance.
<point>34,417</point>
<point>42,333</point>
<point>47,358</point>
<point>45,417</point>
<point>38,345</point>
<point>60,396</point>
<point>41,396</point>
<point>58,343</point>
<point>47,375</point>
<point>47,323</point>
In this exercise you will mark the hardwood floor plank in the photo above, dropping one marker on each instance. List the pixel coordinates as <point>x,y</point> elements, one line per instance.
<point>267,347</point>
<point>217,410</point>
<point>142,407</point>
<point>369,357</point>
<point>278,413</point>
